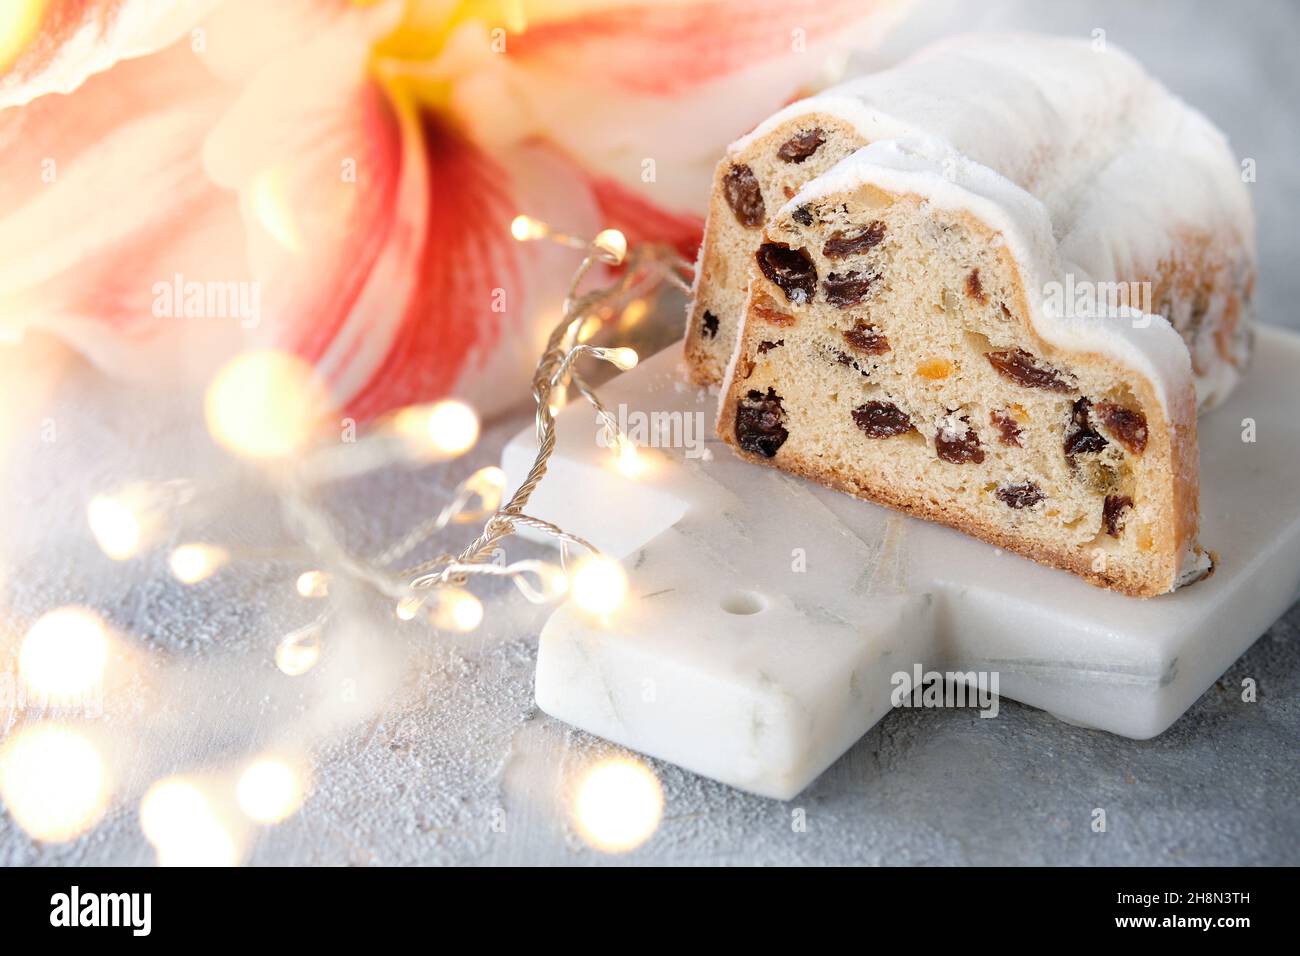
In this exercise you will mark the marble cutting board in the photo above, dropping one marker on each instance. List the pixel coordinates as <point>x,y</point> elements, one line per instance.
<point>768,617</point>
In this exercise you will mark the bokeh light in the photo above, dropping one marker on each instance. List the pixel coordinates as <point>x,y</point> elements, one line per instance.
<point>178,819</point>
<point>299,650</point>
<point>598,585</point>
<point>270,790</point>
<point>192,563</point>
<point>265,405</point>
<point>53,781</point>
<point>619,805</point>
<point>64,653</point>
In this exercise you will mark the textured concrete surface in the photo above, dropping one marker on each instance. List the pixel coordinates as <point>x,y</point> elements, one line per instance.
<point>429,749</point>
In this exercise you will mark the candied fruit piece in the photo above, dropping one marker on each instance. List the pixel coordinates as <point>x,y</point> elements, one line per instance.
<point>744,196</point>
<point>759,423</point>
<point>768,312</point>
<point>1020,496</point>
<point>1080,436</point>
<point>958,446</point>
<point>841,244</point>
<point>844,289</point>
<point>1125,425</point>
<point>935,369</point>
<point>791,270</point>
<point>1025,369</point>
<point>974,289</point>
<point>867,339</point>
<point>765,346</point>
<point>800,146</point>
<point>709,329</point>
<point>1007,426</point>
<point>881,419</point>
<point>1112,513</point>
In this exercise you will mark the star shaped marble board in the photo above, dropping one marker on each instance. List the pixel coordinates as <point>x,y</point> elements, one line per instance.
<point>768,619</point>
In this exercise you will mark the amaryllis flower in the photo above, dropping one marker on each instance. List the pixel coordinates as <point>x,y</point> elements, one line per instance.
<point>338,178</point>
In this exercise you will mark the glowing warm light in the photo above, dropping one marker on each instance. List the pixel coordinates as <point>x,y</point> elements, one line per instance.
<point>298,651</point>
<point>191,563</point>
<point>619,805</point>
<point>453,427</point>
<point>598,585</point>
<point>627,458</point>
<point>19,21</point>
<point>313,584</point>
<point>117,524</point>
<point>265,404</point>
<point>559,398</point>
<point>64,653</point>
<point>489,484</point>
<point>623,358</point>
<point>408,607</point>
<point>611,245</point>
<point>53,781</point>
<point>635,311</point>
<point>180,823</point>
<point>525,228</point>
<point>457,610</point>
<point>270,203</point>
<point>270,790</point>
<point>590,326</point>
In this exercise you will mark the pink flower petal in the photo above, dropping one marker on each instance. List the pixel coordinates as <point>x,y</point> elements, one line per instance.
<point>108,200</point>
<point>76,39</point>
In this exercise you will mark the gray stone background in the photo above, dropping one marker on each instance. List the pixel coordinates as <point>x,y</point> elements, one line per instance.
<point>438,737</point>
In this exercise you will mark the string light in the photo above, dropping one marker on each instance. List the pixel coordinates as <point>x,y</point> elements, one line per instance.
<point>299,650</point>
<point>64,654</point>
<point>457,610</point>
<point>598,585</point>
<point>526,228</point>
<point>313,584</point>
<point>621,358</point>
<point>619,805</point>
<point>610,246</point>
<point>627,459</point>
<point>192,563</point>
<point>53,781</point>
<point>408,607</point>
<point>270,790</point>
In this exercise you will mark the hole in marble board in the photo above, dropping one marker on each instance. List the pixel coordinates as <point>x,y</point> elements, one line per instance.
<point>744,602</point>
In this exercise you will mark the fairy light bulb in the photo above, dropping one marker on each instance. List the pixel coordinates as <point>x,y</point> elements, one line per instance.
<point>452,427</point>
<point>626,457</point>
<point>634,312</point>
<point>265,405</point>
<point>178,819</point>
<point>53,782</point>
<point>610,246</point>
<point>526,228</point>
<point>621,358</point>
<point>64,653</point>
<point>618,806</point>
<point>408,607</point>
<point>299,650</point>
<point>590,326</point>
<point>598,585</point>
<point>457,610</point>
<point>313,584</point>
<point>270,790</point>
<point>192,563</point>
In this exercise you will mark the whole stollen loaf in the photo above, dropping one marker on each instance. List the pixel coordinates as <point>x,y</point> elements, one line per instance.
<point>910,330</point>
<point>1146,200</point>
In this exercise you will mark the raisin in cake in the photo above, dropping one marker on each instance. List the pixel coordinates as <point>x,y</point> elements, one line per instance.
<point>897,345</point>
<point>1142,189</point>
